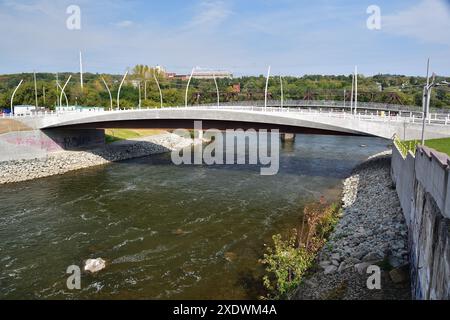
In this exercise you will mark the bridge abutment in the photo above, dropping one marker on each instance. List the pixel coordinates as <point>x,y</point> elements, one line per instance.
<point>31,144</point>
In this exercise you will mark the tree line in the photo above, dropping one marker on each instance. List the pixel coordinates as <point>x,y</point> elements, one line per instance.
<point>394,89</point>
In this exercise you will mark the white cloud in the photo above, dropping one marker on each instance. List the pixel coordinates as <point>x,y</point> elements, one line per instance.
<point>124,24</point>
<point>211,13</point>
<point>428,21</point>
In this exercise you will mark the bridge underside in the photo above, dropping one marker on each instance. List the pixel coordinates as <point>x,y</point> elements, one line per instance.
<point>172,124</point>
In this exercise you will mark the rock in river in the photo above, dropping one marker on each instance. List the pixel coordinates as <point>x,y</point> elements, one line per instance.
<point>94,265</point>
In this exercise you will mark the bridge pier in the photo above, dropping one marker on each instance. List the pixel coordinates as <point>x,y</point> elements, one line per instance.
<point>287,137</point>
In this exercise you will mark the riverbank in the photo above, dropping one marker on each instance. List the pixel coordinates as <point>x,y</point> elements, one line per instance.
<point>372,231</point>
<point>66,161</point>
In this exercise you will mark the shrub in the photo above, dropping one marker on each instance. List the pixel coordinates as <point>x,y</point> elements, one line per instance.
<point>289,259</point>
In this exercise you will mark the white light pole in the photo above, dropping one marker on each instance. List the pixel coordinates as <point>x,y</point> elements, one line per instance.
<point>110,95</point>
<point>282,94</point>
<point>62,91</point>
<point>356,89</point>
<point>187,88</point>
<point>12,97</point>
<point>118,91</point>
<point>267,87</point>
<point>140,100</point>
<point>57,91</point>
<point>217,91</point>
<point>159,88</point>
<point>351,95</point>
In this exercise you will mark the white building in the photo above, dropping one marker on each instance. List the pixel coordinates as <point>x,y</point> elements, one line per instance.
<point>22,110</point>
<point>211,74</point>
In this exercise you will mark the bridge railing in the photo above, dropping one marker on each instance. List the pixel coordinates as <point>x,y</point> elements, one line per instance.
<point>333,104</point>
<point>362,114</point>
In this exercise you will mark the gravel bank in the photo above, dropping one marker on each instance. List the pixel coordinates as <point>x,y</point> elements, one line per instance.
<point>65,161</point>
<point>372,231</point>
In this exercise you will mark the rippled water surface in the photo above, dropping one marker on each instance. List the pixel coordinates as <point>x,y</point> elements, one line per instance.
<point>166,232</point>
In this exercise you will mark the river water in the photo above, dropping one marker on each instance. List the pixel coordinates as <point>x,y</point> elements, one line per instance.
<point>166,231</point>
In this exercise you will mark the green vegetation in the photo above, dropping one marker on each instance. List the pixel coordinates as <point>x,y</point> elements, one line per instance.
<point>441,145</point>
<point>289,260</point>
<point>112,135</point>
<point>394,89</point>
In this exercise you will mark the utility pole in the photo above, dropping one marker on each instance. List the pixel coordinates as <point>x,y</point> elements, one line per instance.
<point>35,90</point>
<point>81,71</point>
<point>345,96</point>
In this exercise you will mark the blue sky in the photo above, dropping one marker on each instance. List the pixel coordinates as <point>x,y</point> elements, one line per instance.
<point>295,37</point>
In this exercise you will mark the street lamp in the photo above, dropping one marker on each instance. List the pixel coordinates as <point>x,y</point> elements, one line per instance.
<point>109,92</point>
<point>12,97</point>
<point>427,97</point>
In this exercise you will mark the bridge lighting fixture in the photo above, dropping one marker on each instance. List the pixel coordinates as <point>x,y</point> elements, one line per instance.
<point>187,88</point>
<point>63,92</point>
<point>109,92</point>
<point>159,88</point>
<point>267,87</point>
<point>12,97</point>
<point>120,87</point>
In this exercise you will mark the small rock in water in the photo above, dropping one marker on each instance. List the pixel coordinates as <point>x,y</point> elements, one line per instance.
<point>230,256</point>
<point>178,232</point>
<point>94,265</point>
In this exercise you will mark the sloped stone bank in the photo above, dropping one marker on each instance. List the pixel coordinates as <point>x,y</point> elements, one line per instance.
<point>372,231</point>
<point>65,161</point>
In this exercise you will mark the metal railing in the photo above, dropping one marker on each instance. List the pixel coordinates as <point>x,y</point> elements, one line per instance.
<point>362,114</point>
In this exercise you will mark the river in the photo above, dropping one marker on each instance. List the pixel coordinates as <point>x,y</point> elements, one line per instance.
<point>166,231</point>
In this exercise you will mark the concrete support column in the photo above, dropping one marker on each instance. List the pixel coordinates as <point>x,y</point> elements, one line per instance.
<point>287,137</point>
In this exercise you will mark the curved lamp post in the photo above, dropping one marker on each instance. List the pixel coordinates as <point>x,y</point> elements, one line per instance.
<point>159,88</point>
<point>187,88</point>
<point>62,91</point>
<point>267,87</point>
<point>118,92</point>
<point>65,96</point>
<point>217,90</point>
<point>12,97</point>
<point>110,95</point>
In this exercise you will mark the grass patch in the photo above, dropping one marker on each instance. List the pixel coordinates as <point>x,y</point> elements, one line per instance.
<point>289,259</point>
<point>113,135</point>
<point>441,145</point>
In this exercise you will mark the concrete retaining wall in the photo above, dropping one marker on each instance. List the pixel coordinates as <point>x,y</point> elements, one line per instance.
<point>422,183</point>
<point>23,145</point>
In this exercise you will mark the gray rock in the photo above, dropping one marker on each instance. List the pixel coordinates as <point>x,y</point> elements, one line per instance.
<point>362,267</point>
<point>372,256</point>
<point>330,269</point>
